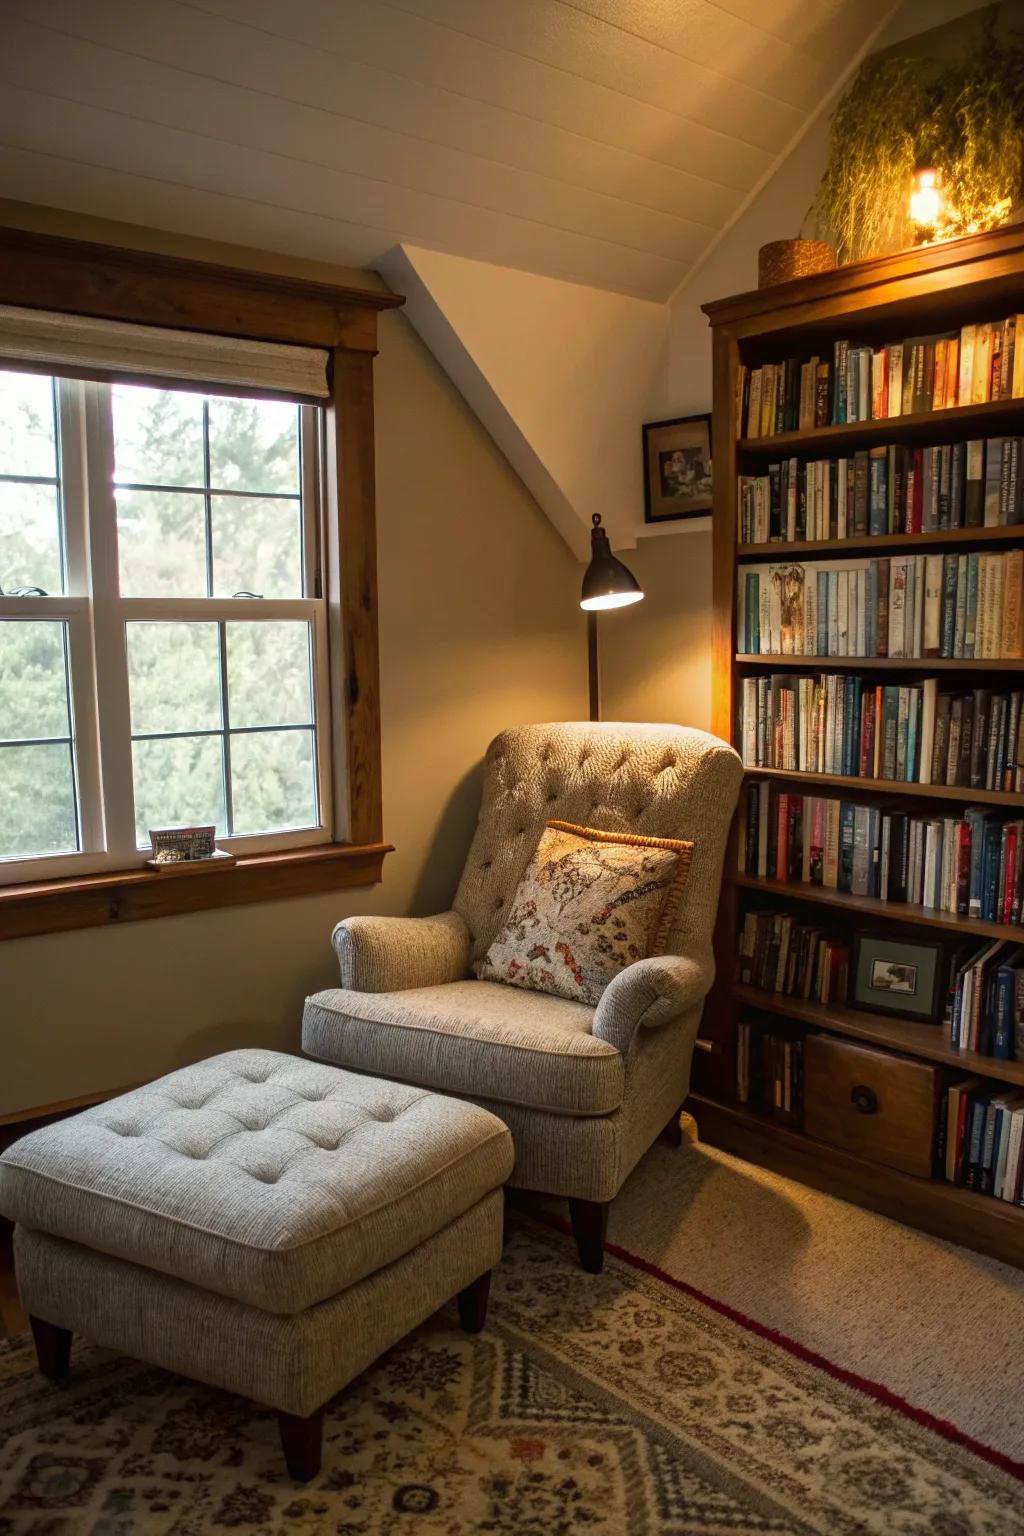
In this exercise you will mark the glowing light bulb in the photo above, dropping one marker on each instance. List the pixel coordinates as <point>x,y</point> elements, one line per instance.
<point>926,199</point>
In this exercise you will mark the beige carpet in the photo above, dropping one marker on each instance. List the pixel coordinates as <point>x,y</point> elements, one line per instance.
<point>939,1326</point>
<point>619,1406</point>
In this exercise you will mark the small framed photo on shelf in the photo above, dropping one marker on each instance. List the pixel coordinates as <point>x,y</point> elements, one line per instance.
<point>890,976</point>
<point>677,469</point>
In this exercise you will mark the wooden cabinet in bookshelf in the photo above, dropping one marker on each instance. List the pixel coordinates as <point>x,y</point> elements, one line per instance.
<point>941,291</point>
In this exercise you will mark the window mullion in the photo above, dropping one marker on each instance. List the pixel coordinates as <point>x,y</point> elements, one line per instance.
<point>80,651</point>
<point>109,630</point>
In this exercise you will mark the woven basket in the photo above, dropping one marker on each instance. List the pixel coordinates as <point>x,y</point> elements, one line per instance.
<point>782,260</point>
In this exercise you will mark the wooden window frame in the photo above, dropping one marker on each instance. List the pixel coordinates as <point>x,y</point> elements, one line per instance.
<point>106,282</point>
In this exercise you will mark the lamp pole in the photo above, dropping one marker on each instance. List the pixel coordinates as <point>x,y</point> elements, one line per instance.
<point>607,583</point>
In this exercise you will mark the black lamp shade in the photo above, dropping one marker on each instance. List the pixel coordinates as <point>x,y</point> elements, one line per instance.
<point>607,583</point>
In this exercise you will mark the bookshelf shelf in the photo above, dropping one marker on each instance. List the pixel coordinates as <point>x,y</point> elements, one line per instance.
<point>892,299</point>
<point>925,1040</point>
<point>957,421</point>
<point>895,787</point>
<point>938,538</point>
<point>875,663</point>
<point>872,906</point>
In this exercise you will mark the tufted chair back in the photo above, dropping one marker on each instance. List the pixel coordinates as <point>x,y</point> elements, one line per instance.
<point>658,780</point>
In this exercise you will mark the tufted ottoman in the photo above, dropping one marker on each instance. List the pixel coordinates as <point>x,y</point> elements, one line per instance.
<point>259,1222</point>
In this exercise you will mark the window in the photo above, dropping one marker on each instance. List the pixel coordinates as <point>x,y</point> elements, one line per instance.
<point>163,635</point>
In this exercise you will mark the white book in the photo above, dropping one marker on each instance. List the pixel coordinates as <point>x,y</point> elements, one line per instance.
<point>917,622</point>
<point>895,402</point>
<point>843,626</point>
<point>842,466</point>
<point>967,338</point>
<point>1013,1154</point>
<point>933,580</point>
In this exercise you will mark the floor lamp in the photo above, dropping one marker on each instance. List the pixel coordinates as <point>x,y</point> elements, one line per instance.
<point>606,584</point>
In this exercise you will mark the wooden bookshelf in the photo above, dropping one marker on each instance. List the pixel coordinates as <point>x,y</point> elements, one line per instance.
<point>934,290</point>
<point>912,1039</point>
<point>872,907</point>
<point>986,420</point>
<point>936,538</point>
<point>841,781</point>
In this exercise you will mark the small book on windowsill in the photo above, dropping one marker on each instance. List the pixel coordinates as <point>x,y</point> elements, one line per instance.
<point>219,859</point>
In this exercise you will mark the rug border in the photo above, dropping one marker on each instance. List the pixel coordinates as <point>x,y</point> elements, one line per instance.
<point>874,1389</point>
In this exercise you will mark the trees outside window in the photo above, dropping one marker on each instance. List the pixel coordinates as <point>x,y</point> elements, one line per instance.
<point>162,629</point>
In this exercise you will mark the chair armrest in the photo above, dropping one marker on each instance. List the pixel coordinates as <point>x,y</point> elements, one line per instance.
<point>649,993</point>
<point>389,954</point>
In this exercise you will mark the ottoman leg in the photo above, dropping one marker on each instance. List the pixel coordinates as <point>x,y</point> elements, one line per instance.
<point>53,1348</point>
<point>302,1441</point>
<point>473,1303</point>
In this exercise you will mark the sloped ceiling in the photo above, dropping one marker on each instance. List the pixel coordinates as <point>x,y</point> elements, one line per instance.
<point>607,142</point>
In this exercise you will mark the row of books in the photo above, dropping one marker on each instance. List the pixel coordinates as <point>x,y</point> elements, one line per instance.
<point>894,488</point>
<point>844,724</point>
<point>970,865</point>
<point>981,1139</point>
<point>769,1071</point>
<point>961,606</point>
<point>777,953</point>
<point>985,1003</point>
<point>979,363</point>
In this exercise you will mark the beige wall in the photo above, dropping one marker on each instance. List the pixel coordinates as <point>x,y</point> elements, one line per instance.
<point>655,657</point>
<point>479,630</point>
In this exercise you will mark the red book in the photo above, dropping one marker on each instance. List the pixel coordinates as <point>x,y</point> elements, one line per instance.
<point>963,869</point>
<point>916,505</point>
<point>782,839</point>
<point>1011,872</point>
<point>867,736</point>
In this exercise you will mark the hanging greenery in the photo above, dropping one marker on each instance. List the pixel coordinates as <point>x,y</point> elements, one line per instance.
<point>964,117</point>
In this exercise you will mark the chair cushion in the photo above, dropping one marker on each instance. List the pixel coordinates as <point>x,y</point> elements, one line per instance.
<point>589,904</point>
<point>260,1176</point>
<point>474,1038</point>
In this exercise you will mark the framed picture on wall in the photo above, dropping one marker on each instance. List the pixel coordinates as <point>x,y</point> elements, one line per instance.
<point>677,469</point>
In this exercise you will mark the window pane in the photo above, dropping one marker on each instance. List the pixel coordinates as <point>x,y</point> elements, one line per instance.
<point>272,781</point>
<point>30,541</point>
<point>33,681</point>
<point>174,677</point>
<point>158,436</point>
<point>37,793</point>
<point>254,445</point>
<point>28,435</point>
<point>268,674</point>
<point>161,543</point>
<point>179,781</point>
<point>257,547</point>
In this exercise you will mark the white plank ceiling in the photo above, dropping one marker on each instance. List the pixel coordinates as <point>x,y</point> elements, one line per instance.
<point>603,141</point>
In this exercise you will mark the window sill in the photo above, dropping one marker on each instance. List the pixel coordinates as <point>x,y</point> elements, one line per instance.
<point>92,901</point>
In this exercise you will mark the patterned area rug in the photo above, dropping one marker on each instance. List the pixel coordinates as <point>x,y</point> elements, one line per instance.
<point>620,1405</point>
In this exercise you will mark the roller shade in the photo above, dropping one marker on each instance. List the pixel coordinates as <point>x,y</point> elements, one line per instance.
<point>77,343</point>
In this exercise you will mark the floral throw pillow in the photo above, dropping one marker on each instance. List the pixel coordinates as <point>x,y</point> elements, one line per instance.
<point>589,904</point>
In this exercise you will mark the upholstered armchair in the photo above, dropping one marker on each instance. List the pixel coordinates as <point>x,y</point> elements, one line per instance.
<point>585,1091</point>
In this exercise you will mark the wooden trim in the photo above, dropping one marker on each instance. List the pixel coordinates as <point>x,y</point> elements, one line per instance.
<point>904,1035</point>
<point>946,1210</point>
<point>78,277</point>
<point>93,901</point>
<point>1000,250</point>
<point>350,483</point>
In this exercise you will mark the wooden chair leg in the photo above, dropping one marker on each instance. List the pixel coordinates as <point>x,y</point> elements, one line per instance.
<point>589,1224</point>
<point>473,1303</point>
<point>672,1135</point>
<point>53,1348</point>
<point>302,1441</point>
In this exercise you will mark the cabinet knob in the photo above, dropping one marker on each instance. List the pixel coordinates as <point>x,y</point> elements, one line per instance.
<point>864,1099</point>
